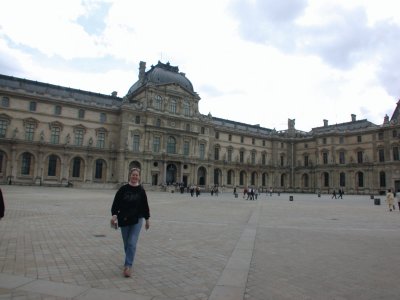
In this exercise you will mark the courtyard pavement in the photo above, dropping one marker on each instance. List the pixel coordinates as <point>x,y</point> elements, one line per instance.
<point>56,243</point>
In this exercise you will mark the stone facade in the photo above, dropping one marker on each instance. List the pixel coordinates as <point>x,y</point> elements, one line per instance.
<point>53,135</point>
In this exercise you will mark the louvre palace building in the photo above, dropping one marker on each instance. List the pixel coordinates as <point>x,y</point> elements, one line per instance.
<point>57,136</point>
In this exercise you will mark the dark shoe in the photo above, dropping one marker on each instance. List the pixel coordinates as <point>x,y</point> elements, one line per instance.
<point>127,272</point>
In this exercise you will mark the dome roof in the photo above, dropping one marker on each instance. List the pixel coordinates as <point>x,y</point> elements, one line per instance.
<point>161,74</point>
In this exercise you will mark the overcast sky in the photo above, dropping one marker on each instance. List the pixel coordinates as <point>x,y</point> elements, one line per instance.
<point>252,61</point>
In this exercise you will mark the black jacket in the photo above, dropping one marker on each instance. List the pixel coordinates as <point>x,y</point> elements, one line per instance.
<point>130,204</point>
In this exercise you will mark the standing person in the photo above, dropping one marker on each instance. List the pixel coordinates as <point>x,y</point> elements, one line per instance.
<point>390,199</point>
<point>128,210</point>
<point>2,207</point>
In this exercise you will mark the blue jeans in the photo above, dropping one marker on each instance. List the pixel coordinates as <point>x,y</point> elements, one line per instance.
<point>130,236</point>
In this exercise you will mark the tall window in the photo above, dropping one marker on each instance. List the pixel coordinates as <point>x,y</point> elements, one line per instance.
<point>172,106</point>
<point>171,145</point>
<point>341,140</point>
<point>282,160</point>
<point>202,151</point>
<point>26,163</point>
<point>359,138</point>
<point>156,144</point>
<point>306,160</point>
<point>230,137</point>
<point>136,142</point>
<point>229,177</point>
<point>342,158</point>
<point>103,117</point>
<point>52,168</point>
<point>188,127</point>
<point>381,154</point>
<point>229,155</point>
<point>186,109</point>
<point>79,136</point>
<point>101,139</point>
<point>3,127</point>
<point>216,153</point>
<point>137,120</point>
<point>241,156</point>
<point>253,158</point>
<point>325,158</point>
<point>360,157</point>
<point>186,148</point>
<point>395,153</point>
<point>158,102</point>
<point>158,123</point>
<point>55,135</point>
<point>264,159</point>
<point>81,113</point>
<point>29,131</point>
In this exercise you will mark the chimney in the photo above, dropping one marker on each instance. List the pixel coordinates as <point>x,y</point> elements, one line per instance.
<point>325,123</point>
<point>353,117</point>
<point>142,70</point>
<point>114,94</point>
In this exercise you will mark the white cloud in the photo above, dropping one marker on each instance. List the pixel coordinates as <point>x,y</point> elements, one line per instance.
<point>262,63</point>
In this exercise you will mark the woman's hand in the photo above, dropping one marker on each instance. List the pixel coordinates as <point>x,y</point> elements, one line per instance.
<point>147,225</point>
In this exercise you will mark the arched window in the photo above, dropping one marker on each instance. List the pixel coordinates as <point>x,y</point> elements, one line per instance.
<point>99,169</point>
<point>76,167</point>
<point>26,163</point>
<point>52,167</point>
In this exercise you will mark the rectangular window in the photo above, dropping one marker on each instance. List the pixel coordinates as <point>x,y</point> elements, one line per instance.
<point>217,135</point>
<point>186,148</point>
<point>81,113</point>
<point>381,154</point>
<point>29,131</point>
<point>136,143</point>
<point>395,153</point>
<point>264,159</point>
<point>230,137</point>
<point>103,117</point>
<point>78,137</point>
<point>229,155</point>
<point>325,158</point>
<point>341,140</point>
<point>342,159</point>
<point>282,161</point>
<point>306,160</point>
<point>5,102</point>
<point>26,164</point>
<point>202,151</point>
<point>156,144</point>
<point>101,139</point>
<point>324,141</point>
<point>186,109</point>
<point>359,138</point>
<point>202,130</point>
<point>3,128</point>
<point>216,153</point>
<point>380,135</point>
<point>172,107</point>
<point>253,141</point>
<point>137,120</point>
<point>99,169</point>
<point>57,110</point>
<point>241,156</point>
<point>253,158</point>
<point>242,139</point>
<point>32,106</point>
<point>55,135</point>
<point>360,157</point>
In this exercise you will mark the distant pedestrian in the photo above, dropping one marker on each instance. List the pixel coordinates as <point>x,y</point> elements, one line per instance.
<point>2,206</point>
<point>390,199</point>
<point>398,198</point>
<point>334,194</point>
<point>341,193</point>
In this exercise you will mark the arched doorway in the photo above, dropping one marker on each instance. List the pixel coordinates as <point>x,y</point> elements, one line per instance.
<point>171,173</point>
<point>201,176</point>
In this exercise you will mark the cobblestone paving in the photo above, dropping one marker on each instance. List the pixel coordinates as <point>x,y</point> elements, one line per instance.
<point>57,242</point>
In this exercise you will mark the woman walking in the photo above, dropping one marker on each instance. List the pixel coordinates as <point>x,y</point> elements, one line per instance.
<point>128,210</point>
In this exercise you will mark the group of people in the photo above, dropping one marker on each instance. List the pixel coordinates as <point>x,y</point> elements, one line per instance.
<point>251,193</point>
<point>390,197</point>
<point>339,195</point>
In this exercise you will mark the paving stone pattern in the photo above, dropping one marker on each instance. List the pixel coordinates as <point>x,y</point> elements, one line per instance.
<point>56,243</point>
